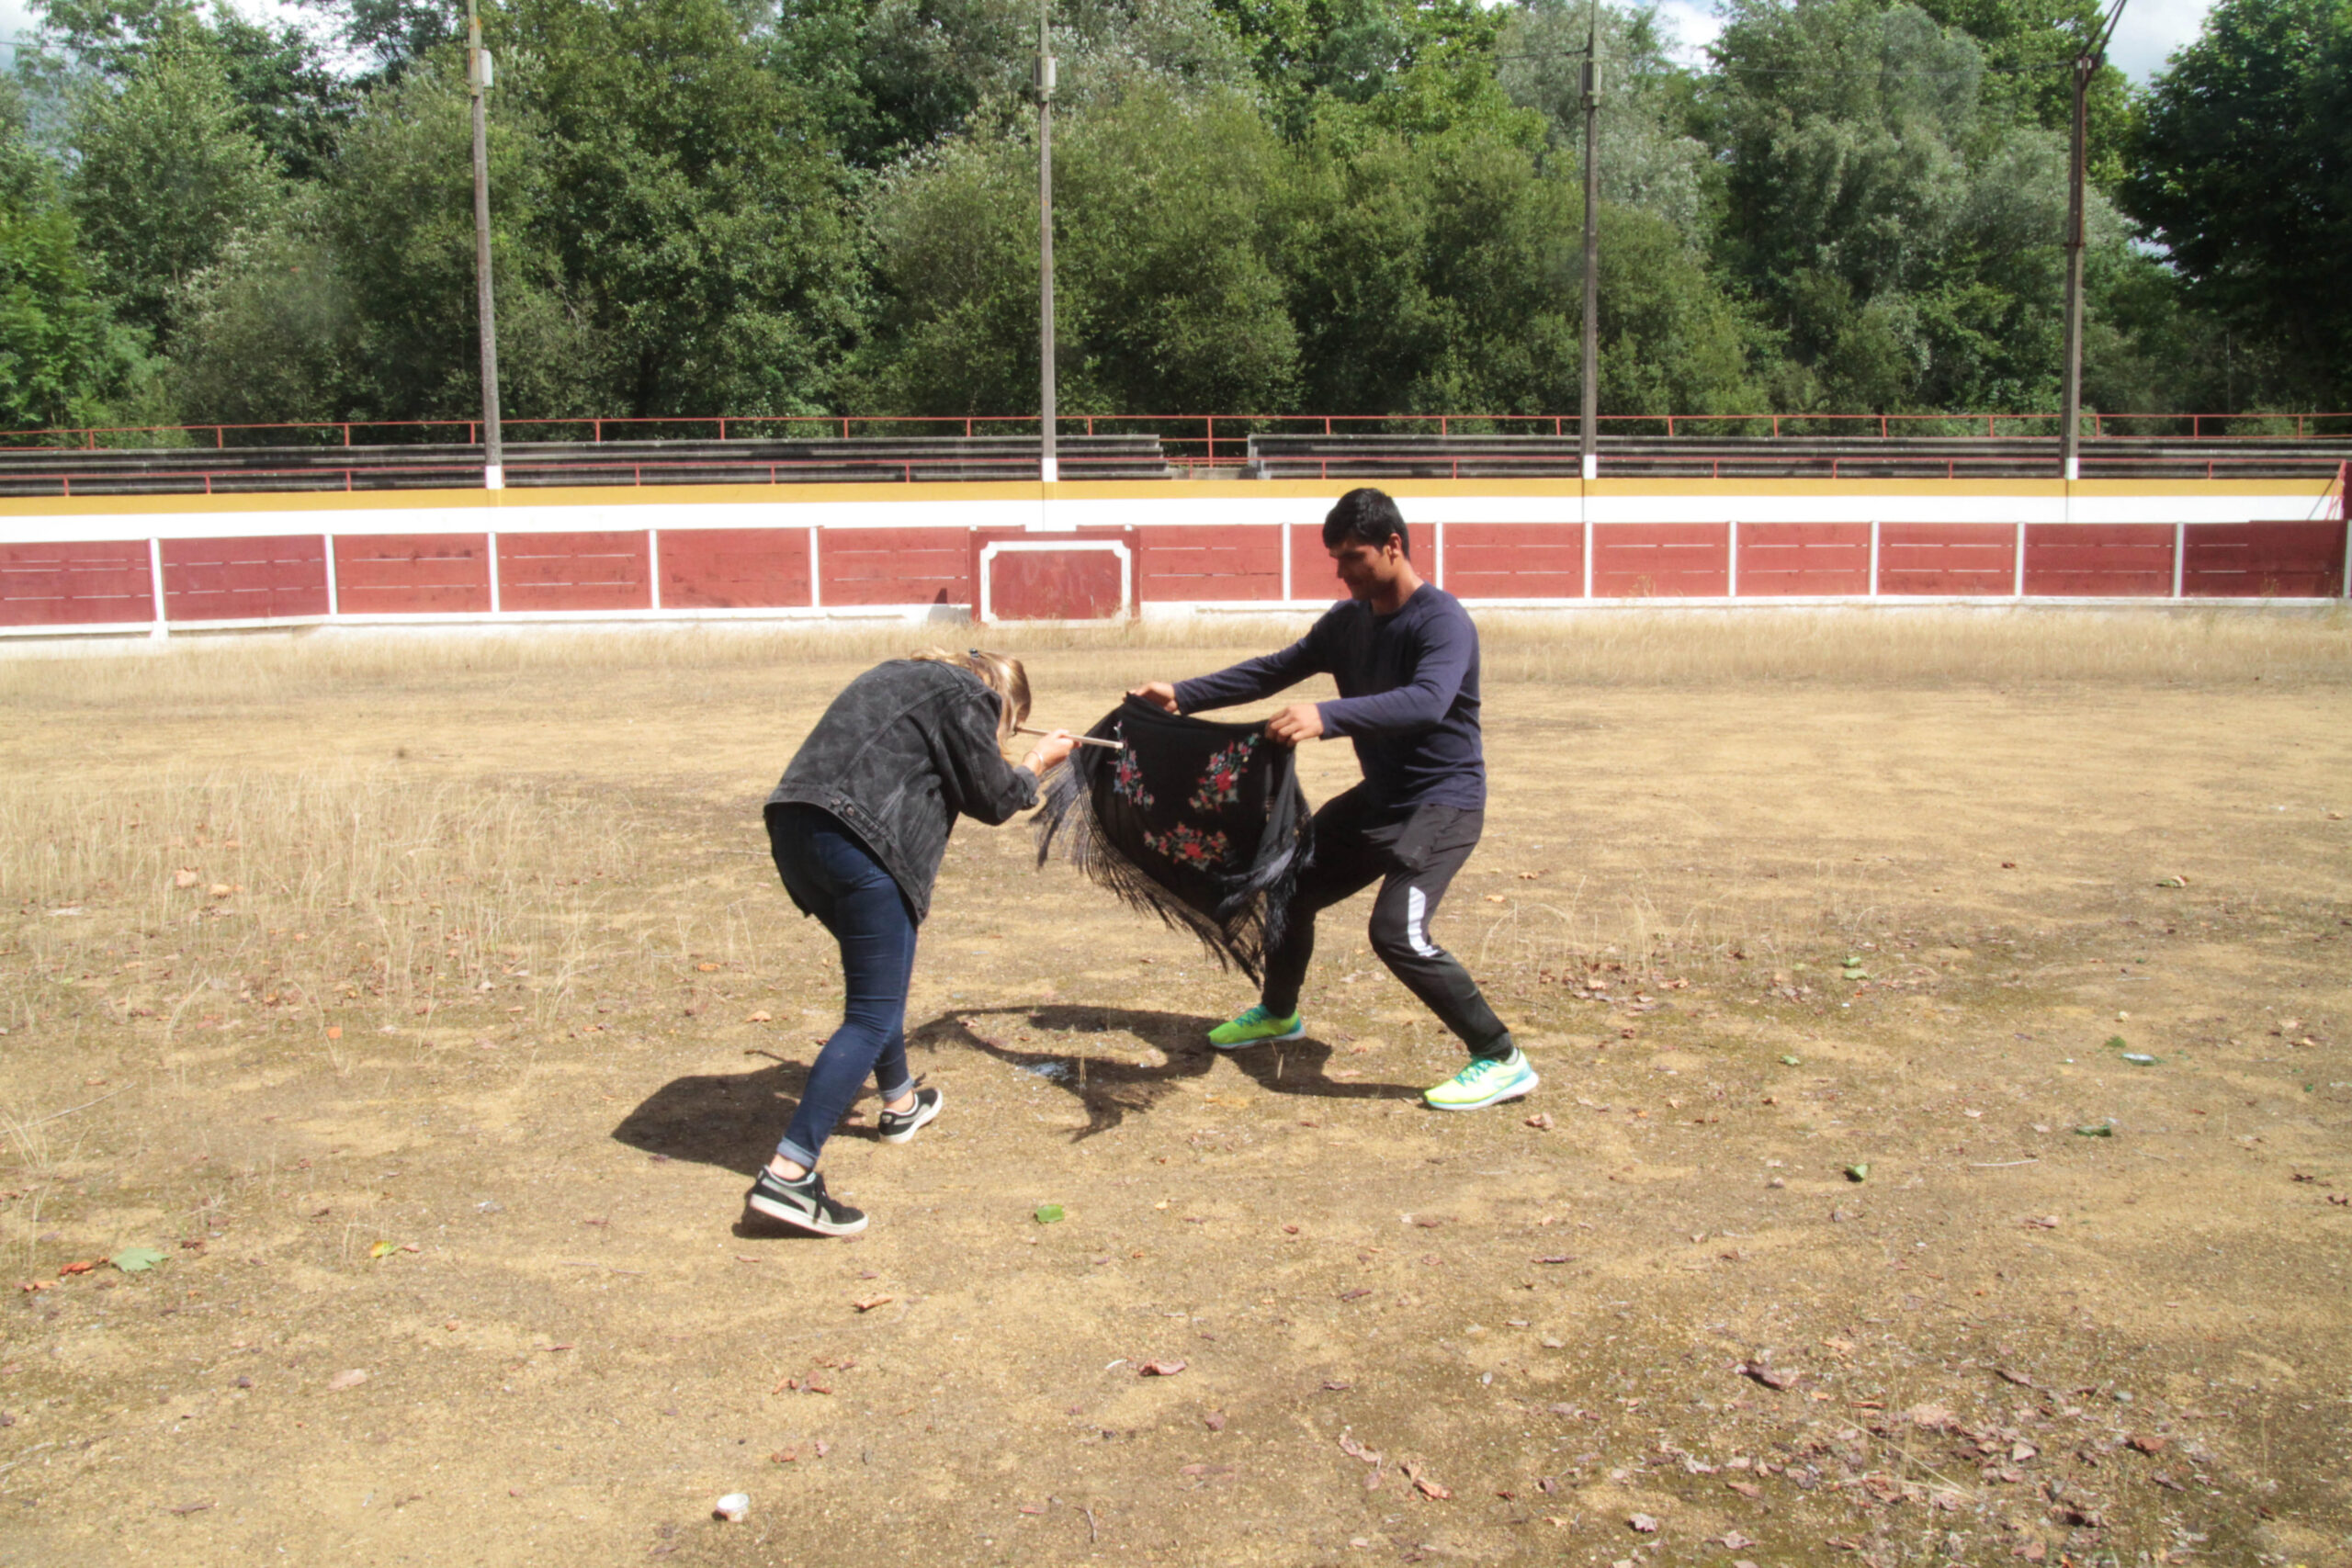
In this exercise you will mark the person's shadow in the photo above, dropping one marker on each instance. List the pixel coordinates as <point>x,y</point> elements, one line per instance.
<point>732,1120</point>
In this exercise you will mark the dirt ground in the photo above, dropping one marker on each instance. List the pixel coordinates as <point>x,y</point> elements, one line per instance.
<point>1942,1152</point>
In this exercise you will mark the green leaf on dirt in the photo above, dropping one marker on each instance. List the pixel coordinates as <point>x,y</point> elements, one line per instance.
<point>1853,961</point>
<point>1049,1213</point>
<point>1859,1172</point>
<point>2117,1042</point>
<point>383,1249</point>
<point>136,1260</point>
<point>1789,1062</point>
<point>2099,1132</point>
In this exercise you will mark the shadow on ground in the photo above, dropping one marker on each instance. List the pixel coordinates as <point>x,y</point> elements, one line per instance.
<point>1112,1086</point>
<point>732,1120</point>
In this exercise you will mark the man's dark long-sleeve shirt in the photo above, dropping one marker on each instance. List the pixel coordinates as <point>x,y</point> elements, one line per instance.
<point>1409,695</point>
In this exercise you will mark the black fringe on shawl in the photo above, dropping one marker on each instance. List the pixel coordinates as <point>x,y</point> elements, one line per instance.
<point>1244,917</point>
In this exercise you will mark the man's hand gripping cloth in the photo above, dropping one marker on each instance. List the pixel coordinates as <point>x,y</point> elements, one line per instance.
<point>1202,824</point>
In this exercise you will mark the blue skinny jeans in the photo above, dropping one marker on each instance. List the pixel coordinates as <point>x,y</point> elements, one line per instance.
<point>831,875</point>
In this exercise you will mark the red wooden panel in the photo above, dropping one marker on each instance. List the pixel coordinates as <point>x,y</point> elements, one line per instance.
<point>1073,585</point>
<point>244,580</point>
<point>734,569</point>
<point>410,574</point>
<point>1514,560</point>
<point>896,566</point>
<point>1315,578</point>
<point>1779,559</point>
<point>574,571</point>
<point>1193,564</point>
<point>2098,558</point>
<point>69,585</point>
<point>1661,560</point>
<point>2263,560</point>
<point>1946,557</point>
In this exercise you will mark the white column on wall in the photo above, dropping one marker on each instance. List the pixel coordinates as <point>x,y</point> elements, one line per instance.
<point>334,602</point>
<point>1874,527</point>
<point>1440,553</point>
<point>816,577</point>
<point>1287,595</point>
<point>1731,563</point>
<point>155,586</point>
<point>653,567</point>
<point>2018,587</point>
<point>1588,560</point>
<point>2179,558</point>
<point>493,574</point>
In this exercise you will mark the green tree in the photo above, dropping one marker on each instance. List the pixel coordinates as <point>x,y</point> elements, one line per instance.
<point>891,77</point>
<point>1445,273</point>
<point>695,214</point>
<point>2243,175</point>
<point>289,100</point>
<point>1167,298</point>
<point>1650,159</point>
<point>1903,244</point>
<point>168,173</point>
<point>62,356</point>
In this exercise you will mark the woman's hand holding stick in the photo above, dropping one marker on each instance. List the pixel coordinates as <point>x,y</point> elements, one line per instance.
<point>1048,753</point>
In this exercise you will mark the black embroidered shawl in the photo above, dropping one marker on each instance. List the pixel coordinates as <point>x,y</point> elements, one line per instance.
<point>1202,824</point>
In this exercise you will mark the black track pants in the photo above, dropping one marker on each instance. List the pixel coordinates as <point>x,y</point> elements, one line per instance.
<point>1412,860</point>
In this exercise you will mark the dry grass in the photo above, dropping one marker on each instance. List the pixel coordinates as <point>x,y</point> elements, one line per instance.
<point>494,926</point>
<point>358,889</point>
<point>1866,645</point>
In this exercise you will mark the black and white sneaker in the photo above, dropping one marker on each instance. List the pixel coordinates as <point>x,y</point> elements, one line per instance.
<point>803,1206</point>
<point>899,1126</point>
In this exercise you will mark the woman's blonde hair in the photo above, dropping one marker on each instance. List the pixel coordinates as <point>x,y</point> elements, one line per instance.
<point>1001,672</point>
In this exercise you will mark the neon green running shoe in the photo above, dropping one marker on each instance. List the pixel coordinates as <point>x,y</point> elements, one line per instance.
<point>1255,1027</point>
<point>1486,1081</point>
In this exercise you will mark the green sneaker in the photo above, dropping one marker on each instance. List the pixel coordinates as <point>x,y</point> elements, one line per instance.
<point>1486,1081</point>
<point>1254,1027</point>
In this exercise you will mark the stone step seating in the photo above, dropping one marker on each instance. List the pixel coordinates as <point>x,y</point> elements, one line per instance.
<point>246,470</point>
<point>1760,457</point>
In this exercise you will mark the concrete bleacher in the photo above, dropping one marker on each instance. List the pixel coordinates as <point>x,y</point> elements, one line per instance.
<point>49,471</point>
<point>1744,457</point>
<point>31,471</point>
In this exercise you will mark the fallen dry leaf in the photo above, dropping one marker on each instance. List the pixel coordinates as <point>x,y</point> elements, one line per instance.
<point>1213,1420</point>
<point>761,1017</point>
<point>1772,1377</point>
<point>1642,1523</point>
<point>1746,1488</point>
<point>2146,1443</point>
<point>1423,1484</point>
<point>1541,1121</point>
<point>341,1380</point>
<point>1353,1449</point>
<point>867,1304</point>
<point>1159,1368</point>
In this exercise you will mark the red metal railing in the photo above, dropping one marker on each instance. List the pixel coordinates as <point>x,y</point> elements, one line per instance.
<point>1214,438</point>
<point>641,471</point>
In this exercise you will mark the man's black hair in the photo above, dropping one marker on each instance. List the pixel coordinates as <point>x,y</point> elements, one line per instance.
<point>1366,517</point>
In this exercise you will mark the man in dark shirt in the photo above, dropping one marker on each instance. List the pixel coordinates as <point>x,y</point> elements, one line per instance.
<point>1405,657</point>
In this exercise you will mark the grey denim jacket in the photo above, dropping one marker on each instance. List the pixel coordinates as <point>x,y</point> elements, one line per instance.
<point>906,749</point>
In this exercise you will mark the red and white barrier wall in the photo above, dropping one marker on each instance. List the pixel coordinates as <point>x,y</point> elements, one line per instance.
<point>1094,550</point>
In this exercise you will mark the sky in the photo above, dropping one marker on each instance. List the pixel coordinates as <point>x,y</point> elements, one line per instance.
<point>2151,29</point>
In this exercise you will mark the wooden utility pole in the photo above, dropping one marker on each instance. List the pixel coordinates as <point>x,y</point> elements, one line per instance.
<point>1588,410</point>
<point>2070,398</point>
<point>1048,467</point>
<point>493,455</point>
